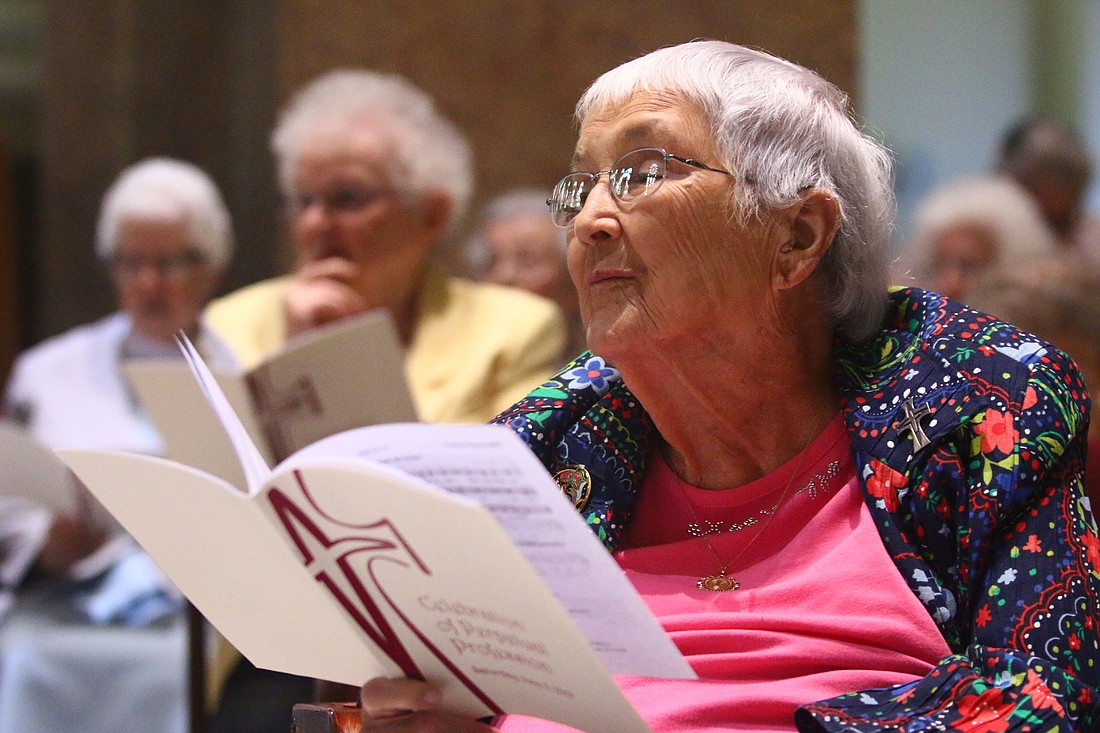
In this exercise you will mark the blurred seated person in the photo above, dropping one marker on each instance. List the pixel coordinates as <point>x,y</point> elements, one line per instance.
<point>516,245</point>
<point>968,226</point>
<point>1050,160</point>
<point>375,179</point>
<point>1060,302</point>
<point>852,507</point>
<point>376,182</point>
<point>103,646</point>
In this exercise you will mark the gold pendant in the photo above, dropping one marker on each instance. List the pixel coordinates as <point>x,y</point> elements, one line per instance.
<point>718,583</point>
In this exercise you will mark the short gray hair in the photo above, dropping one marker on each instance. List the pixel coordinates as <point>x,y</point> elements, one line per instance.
<point>783,128</point>
<point>429,153</point>
<point>165,189</point>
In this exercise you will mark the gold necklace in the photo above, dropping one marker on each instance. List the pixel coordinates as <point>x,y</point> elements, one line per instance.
<point>723,581</point>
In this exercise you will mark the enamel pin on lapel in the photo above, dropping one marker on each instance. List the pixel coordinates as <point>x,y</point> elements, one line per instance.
<point>576,483</point>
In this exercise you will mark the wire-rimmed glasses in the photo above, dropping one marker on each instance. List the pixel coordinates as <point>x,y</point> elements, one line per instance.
<point>635,175</point>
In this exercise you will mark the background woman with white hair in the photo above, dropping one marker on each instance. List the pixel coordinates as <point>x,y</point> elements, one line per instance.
<point>101,645</point>
<point>376,181</point>
<point>969,227</point>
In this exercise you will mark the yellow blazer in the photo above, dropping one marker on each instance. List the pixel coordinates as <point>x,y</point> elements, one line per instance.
<point>476,348</point>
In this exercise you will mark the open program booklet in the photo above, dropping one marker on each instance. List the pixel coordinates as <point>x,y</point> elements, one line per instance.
<point>340,376</point>
<point>441,552</point>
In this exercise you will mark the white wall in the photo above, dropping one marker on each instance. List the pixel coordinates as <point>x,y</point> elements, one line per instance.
<point>940,81</point>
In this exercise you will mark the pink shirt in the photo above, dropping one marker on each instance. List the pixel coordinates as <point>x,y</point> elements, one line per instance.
<point>821,610</point>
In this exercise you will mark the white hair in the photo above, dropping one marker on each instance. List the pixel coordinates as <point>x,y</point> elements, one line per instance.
<point>428,153</point>
<point>164,189</point>
<point>782,129</point>
<point>998,205</point>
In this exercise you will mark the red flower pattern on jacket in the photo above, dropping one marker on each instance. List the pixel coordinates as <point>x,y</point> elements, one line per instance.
<point>984,713</point>
<point>885,483</point>
<point>997,432</point>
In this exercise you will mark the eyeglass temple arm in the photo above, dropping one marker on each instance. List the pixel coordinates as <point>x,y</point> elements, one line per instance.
<point>697,164</point>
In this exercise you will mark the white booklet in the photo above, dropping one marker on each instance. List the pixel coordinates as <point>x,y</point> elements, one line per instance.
<point>441,552</point>
<point>30,470</point>
<point>342,376</point>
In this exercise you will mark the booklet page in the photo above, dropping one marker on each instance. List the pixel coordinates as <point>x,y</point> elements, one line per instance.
<point>491,465</point>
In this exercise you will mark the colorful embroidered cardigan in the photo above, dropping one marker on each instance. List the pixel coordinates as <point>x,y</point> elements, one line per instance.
<point>979,500</point>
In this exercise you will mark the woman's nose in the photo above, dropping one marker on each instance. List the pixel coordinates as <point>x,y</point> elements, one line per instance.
<point>598,218</point>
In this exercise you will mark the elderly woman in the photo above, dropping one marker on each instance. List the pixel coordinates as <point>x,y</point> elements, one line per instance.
<point>851,508</point>
<point>377,180</point>
<point>972,226</point>
<point>165,238</point>
<point>85,654</point>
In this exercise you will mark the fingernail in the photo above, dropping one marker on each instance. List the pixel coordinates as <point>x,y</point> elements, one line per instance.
<point>432,698</point>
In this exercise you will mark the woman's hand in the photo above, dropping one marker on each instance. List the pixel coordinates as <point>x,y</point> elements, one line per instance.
<point>411,706</point>
<point>321,292</point>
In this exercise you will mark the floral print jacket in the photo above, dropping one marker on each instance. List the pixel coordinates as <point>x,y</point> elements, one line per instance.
<point>969,441</point>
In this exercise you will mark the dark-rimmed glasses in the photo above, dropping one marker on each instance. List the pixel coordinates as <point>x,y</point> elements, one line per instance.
<point>344,199</point>
<point>128,268</point>
<point>635,175</point>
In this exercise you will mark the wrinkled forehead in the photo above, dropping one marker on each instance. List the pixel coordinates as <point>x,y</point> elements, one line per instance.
<point>643,119</point>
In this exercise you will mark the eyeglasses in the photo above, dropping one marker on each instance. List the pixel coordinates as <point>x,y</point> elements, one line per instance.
<point>633,176</point>
<point>346,199</point>
<point>128,268</point>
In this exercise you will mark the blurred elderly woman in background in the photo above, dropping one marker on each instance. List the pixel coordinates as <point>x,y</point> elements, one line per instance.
<point>972,226</point>
<point>103,649</point>
<point>376,181</point>
<point>852,508</point>
<point>515,244</point>
<point>165,237</point>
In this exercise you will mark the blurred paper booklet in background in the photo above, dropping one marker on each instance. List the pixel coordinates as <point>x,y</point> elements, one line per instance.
<point>30,470</point>
<point>442,552</point>
<point>342,376</point>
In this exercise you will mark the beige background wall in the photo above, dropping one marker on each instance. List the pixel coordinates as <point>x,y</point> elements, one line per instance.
<point>201,79</point>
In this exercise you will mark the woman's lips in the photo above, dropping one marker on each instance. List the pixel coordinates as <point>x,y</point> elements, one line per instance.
<point>604,275</point>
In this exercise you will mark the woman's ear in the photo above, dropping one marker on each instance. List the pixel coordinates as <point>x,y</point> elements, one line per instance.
<point>813,222</point>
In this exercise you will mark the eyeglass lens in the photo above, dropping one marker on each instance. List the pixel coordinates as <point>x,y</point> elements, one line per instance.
<point>635,175</point>
<point>170,268</point>
<point>343,198</point>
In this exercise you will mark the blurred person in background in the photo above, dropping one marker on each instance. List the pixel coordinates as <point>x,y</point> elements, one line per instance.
<point>969,226</point>
<point>516,244</point>
<point>100,644</point>
<point>1050,160</point>
<point>376,182</point>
